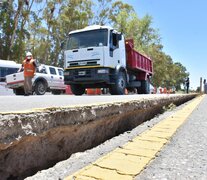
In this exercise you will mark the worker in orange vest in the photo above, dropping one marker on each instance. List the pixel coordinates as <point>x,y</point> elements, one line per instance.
<point>29,66</point>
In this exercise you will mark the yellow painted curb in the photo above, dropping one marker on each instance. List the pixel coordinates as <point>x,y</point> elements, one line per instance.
<point>128,161</point>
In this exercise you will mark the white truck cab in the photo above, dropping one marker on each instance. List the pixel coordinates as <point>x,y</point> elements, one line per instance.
<point>104,50</point>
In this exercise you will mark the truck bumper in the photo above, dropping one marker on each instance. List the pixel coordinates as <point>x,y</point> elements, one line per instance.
<point>15,85</point>
<point>88,76</point>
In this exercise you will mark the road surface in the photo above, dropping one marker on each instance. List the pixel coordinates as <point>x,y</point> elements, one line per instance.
<point>21,103</point>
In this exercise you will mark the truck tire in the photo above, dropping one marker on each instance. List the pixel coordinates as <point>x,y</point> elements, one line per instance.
<point>145,87</point>
<point>120,85</point>
<point>18,91</point>
<point>77,89</point>
<point>40,88</point>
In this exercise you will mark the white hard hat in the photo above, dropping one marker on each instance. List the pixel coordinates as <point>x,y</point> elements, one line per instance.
<point>29,54</point>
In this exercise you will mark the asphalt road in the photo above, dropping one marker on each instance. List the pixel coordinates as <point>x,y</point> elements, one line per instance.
<point>21,103</point>
<point>5,91</point>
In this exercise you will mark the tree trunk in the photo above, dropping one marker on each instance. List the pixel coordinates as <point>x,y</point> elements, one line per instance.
<point>19,9</point>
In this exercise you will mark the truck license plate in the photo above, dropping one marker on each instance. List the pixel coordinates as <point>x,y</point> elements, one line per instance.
<point>81,73</point>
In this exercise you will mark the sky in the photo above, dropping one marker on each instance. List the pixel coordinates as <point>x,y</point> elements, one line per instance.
<point>182,26</point>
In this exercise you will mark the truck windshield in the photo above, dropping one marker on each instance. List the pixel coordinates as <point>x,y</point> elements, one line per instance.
<point>86,39</point>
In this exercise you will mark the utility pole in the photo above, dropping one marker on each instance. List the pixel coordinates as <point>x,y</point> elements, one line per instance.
<point>200,85</point>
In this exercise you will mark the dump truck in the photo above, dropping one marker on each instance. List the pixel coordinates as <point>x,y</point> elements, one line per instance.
<point>100,57</point>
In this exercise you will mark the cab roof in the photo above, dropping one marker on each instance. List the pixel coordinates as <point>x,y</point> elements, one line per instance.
<point>92,27</point>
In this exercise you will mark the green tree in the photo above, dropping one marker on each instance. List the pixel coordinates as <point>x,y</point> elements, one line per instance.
<point>76,14</point>
<point>181,75</point>
<point>6,23</point>
<point>159,64</point>
<point>14,15</point>
<point>53,24</point>
<point>116,8</point>
<point>102,13</point>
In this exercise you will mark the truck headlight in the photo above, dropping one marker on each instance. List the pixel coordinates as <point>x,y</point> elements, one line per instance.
<point>103,71</point>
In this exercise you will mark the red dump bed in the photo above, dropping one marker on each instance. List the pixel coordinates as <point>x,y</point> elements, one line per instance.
<point>137,61</point>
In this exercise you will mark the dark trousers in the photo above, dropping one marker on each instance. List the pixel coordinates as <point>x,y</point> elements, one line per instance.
<point>28,85</point>
<point>187,89</point>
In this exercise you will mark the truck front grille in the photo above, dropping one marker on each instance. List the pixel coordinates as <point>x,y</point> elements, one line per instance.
<point>73,64</point>
<point>84,63</point>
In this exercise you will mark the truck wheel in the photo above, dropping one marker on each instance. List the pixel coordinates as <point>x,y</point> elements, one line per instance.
<point>56,92</point>
<point>77,89</point>
<point>119,87</point>
<point>145,87</point>
<point>18,91</point>
<point>40,88</point>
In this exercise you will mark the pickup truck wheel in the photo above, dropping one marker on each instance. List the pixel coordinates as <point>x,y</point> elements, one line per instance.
<point>77,89</point>
<point>18,91</point>
<point>120,85</point>
<point>145,87</point>
<point>40,88</point>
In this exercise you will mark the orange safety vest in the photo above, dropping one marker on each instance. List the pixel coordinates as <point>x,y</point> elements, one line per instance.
<point>29,68</point>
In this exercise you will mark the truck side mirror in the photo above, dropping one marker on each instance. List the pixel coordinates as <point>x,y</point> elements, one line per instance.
<point>111,48</point>
<point>119,37</point>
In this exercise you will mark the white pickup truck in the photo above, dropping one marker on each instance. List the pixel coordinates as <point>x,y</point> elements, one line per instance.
<point>46,79</point>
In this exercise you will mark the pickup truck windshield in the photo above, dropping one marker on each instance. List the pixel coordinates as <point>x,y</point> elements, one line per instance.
<point>93,38</point>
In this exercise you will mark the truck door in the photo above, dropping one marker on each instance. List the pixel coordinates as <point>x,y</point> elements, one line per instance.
<point>61,79</point>
<point>54,77</point>
<point>116,49</point>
